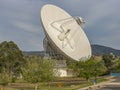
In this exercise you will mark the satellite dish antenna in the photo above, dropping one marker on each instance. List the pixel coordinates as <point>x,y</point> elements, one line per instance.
<point>64,35</point>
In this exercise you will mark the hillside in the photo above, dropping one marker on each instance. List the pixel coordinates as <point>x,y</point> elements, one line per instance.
<point>96,50</point>
<point>37,53</point>
<point>100,50</point>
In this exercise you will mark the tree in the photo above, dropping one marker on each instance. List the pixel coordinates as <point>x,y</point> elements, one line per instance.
<point>86,69</point>
<point>91,68</point>
<point>117,69</point>
<point>73,65</point>
<point>100,68</point>
<point>38,70</point>
<point>110,61</point>
<point>5,78</point>
<point>11,58</point>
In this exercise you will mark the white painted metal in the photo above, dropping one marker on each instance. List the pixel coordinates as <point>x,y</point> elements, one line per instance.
<point>65,33</point>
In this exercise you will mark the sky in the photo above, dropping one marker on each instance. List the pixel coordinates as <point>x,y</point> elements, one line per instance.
<point>20,21</point>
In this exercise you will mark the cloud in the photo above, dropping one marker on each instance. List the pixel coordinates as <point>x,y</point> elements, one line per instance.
<point>26,26</point>
<point>20,21</point>
<point>33,43</point>
<point>109,40</point>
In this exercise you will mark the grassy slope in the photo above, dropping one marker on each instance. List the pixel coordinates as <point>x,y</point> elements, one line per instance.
<point>26,86</point>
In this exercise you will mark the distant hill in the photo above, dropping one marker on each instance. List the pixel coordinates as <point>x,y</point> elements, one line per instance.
<point>100,50</point>
<point>96,50</point>
<point>37,53</point>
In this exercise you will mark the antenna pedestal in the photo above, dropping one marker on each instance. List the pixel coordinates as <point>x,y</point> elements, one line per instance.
<point>50,51</point>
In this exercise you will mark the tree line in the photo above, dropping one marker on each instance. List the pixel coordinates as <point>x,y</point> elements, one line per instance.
<point>14,65</point>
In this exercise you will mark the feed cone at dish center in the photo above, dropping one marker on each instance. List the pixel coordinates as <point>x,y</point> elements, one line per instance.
<point>64,33</point>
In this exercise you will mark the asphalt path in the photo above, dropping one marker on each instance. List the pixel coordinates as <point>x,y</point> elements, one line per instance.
<point>114,84</point>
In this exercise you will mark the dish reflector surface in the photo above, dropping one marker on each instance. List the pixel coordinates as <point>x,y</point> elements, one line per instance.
<point>65,33</point>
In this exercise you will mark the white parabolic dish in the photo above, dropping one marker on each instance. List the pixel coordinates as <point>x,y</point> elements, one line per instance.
<point>64,33</point>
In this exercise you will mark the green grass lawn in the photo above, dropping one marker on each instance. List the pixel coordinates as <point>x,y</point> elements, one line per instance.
<point>74,87</point>
<point>27,86</point>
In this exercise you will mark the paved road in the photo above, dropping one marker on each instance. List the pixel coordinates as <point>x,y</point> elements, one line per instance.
<point>114,84</point>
